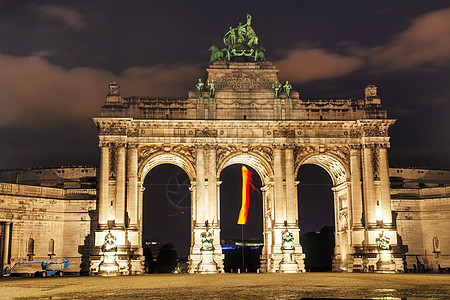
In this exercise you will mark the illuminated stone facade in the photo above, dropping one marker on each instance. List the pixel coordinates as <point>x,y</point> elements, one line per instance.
<point>421,204</point>
<point>243,122</point>
<point>49,213</point>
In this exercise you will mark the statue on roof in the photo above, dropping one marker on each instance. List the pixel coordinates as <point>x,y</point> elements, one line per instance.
<point>241,44</point>
<point>199,88</point>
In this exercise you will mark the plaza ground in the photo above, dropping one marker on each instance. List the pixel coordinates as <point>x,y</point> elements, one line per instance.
<point>231,286</point>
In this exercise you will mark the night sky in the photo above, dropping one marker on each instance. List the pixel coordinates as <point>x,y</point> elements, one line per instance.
<point>57,57</point>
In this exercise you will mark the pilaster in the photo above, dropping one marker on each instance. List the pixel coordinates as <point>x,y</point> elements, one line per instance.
<point>6,239</point>
<point>385,185</point>
<point>120,186</point>
<point>132,199</point>
<point>104,202</point>
<point>369,187</point>
<point>356,195</point>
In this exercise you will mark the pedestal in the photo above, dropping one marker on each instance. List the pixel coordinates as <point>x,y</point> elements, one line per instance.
<point>287,264</point>
<point>385,264</point>
<point>109,265</point>
<point>207,265</point>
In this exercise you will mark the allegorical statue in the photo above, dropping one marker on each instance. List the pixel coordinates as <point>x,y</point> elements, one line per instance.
<point>240,44</point>
<point>288,240</point>
<point>276,89</point>
<point>383,242</point>
<point>109,245</point>
<point>207,238</point>
<point>199,87</point>
<point>212,89</point>
<point>287,90</point>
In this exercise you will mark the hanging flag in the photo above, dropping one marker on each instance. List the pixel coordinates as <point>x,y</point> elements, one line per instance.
<point>246,182</point>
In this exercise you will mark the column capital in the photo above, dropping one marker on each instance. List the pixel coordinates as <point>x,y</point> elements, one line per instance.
<point>132,145</point>
<point>385,145</point>
<point>103,144</point>
<point>355,146</point>
<point>278,146</point>
<point>369,145</point>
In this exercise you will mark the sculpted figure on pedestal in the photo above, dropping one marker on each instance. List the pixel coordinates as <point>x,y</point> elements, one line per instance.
<point>199,87</point>
<point>287,89</point>
<point>276,88</point>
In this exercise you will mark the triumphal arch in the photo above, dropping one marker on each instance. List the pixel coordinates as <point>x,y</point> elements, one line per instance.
<point>240,113</point>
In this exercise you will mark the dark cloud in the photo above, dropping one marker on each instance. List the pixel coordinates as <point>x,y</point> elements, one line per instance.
<point>302,65</point>
<point>63,17</point>
<point>35,92</point>
<point>426,41</point>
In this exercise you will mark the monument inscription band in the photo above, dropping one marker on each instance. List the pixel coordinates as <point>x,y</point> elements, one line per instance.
<point>243,115</point>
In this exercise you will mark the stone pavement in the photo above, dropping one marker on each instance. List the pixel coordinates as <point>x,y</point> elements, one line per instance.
<point>231,286</point>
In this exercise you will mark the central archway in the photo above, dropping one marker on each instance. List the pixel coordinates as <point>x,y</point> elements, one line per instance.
<point>241,244</point>
<point>264,170</point>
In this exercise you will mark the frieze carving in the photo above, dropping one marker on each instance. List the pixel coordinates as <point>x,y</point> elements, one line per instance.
<point>264,151</point>
<point>375,161</point>
<point>240,82</point>
<point>146,151</point>
<point>134,132</point>
<point>223,151</point>
<point>284,132</point>
<point>206,132</point>
<point>187,151</point>
<point>112,129</point>
<point>112,161</point>
<point>355,134</point>
<point>375,131</point>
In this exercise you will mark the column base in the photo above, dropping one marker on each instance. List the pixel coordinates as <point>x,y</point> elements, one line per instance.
<point>288,264</point>
<point>207,265</point>
<point>109,265</point>
<point>385,264</point>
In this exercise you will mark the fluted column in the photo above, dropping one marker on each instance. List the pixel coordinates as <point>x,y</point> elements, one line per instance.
<point>212,186</point>
<point>280,205</point>
<point>356,195</point>
<point>6,243</point>
<point>385,186</point>
<point>291,195</point>
<point>120,186</point>
<point>369,186</point>
<point>201,207</point>
<point>104,202</point>
<point>132,199</point>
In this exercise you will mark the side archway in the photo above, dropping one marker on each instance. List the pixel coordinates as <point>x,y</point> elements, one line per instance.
<point>340,176</point>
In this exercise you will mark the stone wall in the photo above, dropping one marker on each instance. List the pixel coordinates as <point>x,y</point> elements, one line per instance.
<point>61,177</point>
<point>66,216</point>
<point>423,224</point>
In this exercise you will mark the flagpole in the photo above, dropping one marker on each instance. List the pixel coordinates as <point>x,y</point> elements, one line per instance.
<point>243,256</point>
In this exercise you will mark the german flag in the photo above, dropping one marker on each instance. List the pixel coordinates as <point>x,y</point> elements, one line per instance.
<point>246,182</point>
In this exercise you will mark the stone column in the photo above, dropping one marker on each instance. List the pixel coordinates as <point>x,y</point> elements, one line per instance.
<point>132,201</point>
<point>212,187</point>
<point>291,195</point>
<point>369,187</point>
<point>356,195</point>
<point>280,205</point>
<point>201,214</point>
<point>6,243</point>
<point>385,186</point>
<point>104,202</point>
<point>120,186</point>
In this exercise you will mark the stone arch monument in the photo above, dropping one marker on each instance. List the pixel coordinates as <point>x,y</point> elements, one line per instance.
<point>241,115</point>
